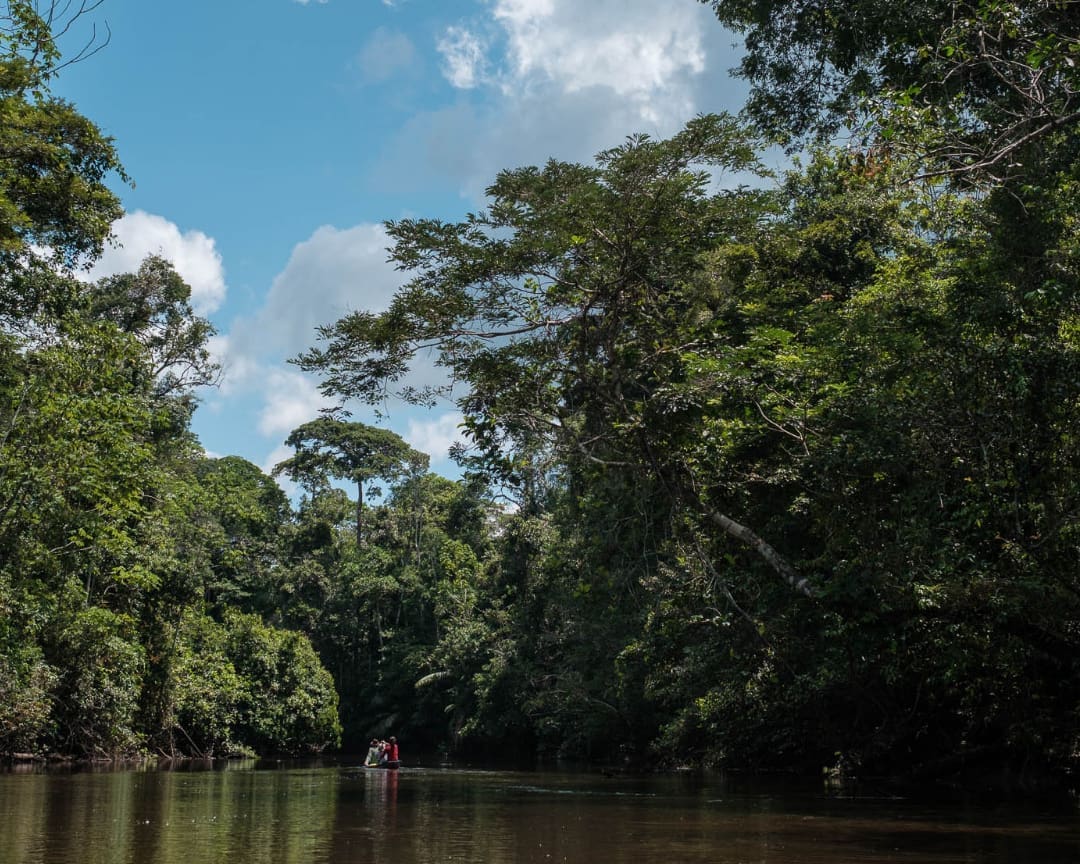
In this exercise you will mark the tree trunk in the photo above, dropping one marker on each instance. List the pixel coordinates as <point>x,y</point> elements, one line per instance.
<point>359,512</point>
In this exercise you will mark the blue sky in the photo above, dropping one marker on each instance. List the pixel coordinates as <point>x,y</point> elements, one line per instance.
<point>268,142</point>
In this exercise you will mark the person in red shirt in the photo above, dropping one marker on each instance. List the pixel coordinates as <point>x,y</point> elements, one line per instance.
<point>393,748</point>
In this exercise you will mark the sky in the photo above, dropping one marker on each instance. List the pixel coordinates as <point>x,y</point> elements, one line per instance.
<point>268,141</point>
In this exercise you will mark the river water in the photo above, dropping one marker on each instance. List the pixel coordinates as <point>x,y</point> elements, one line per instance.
<point>242,813</point>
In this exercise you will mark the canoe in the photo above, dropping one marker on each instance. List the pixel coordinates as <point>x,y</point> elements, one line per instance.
<point>391,766</point>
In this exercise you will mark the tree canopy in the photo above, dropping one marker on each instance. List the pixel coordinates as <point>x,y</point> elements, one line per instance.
<point>791,460</point>
<point>329,447</point>
<point>854,381</point>
<point>111,555</point>
<point>975,87</point>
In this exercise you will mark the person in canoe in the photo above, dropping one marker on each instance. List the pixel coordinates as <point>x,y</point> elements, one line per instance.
<point>389,757</point>
<point>373,754</point>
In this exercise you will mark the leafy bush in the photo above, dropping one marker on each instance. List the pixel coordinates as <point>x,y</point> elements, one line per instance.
<point>243,686</point>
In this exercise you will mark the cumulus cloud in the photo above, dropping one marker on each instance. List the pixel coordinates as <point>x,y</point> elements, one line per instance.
<point>333,272</point>
<point>280,454</point>
<point>291,399</point>
<point>192,253</point>
<point>639,50</point>
<point>643,51</point>
<point>435,437</point>
<point>540,79</point>
<point>239,369</point>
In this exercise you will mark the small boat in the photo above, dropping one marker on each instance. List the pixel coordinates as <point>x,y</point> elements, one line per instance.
<point>392,765</point>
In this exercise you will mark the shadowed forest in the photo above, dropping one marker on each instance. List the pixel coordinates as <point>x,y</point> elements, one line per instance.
<point>765,470</point>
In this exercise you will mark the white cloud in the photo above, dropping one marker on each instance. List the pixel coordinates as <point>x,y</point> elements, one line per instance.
<point>291,399</point>
<point>435,437</point>
<point>192,253</point>
<point>333,272</point>
<point>238,369</point>
<point>643,51</point>
<point>563,79</point>
<point>463,55</point>
<point>278,454</point>
<point>637,50</point>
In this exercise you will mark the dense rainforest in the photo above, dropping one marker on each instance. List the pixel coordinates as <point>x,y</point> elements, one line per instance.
<point>763,471</point>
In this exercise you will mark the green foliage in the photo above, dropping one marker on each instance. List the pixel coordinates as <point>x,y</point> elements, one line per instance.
<point>242,514</point>
<point>975,89</point>
<point>78,456</point>
<point>113,531</point>
<point>153,305</point>
<point>97,692</point>
<point>329,447</point>
<point>205,689</point>
<point>54,201</point>
<point>793,469</point>
<point>25,704</point>
<point>876,376</point>
<point>241,686</point>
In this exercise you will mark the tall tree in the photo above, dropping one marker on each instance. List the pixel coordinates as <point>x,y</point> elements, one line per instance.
<point>329,447</point>
<point>242,515</point>
<point>568,308</point>
<point>103,525</point>
<point>868,379</point>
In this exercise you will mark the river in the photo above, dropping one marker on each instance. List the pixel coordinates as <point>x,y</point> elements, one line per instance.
<point>281,813</point>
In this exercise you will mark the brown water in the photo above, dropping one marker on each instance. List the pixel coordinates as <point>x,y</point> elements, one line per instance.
<point>242,813</point>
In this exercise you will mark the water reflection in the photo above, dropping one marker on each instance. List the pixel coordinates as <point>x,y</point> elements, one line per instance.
<point>246,813</point>
<point>208,816</point>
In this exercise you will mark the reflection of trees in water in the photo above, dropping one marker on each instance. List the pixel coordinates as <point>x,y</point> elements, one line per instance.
<point>455,818</point>
<point>168,817</point>
<point>381,789</point>
<point>22,815</point>
<point>366,825</point>
<point>69,818</point>
<point>422,817</point>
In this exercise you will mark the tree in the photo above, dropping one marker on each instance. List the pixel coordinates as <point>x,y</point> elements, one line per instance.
<point>977,87</point>
<point>242,686</point>
<point>111,520</point>
<point>153,305</point>
<point>567,308</point>
<point>328,447</point>
<point>55,205</point>
<point>242,514</point>
<point>872,374</point>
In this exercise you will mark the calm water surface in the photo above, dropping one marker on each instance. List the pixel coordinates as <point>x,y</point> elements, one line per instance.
<point>242,813</point>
